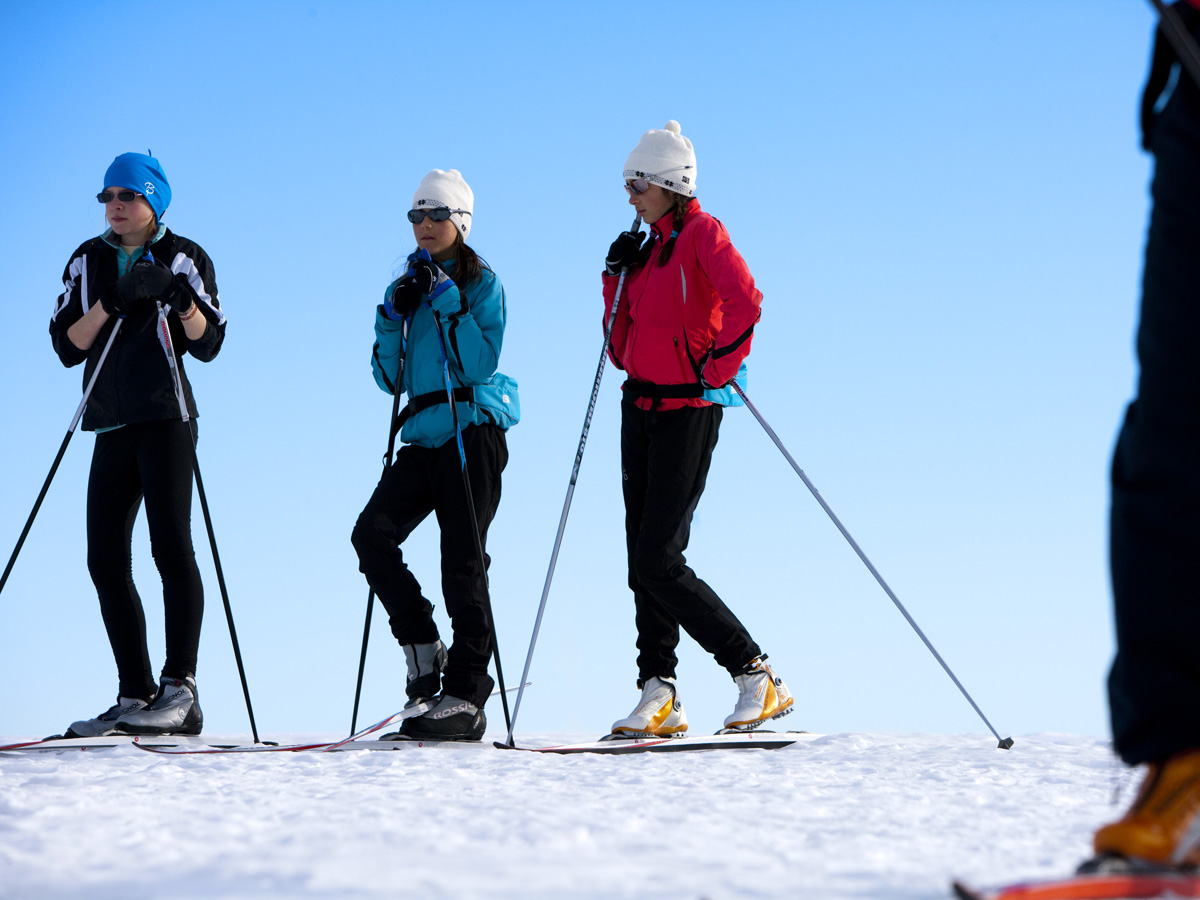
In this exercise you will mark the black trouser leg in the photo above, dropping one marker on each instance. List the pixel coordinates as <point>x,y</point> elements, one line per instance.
<point>402,500</point>
<point>464,586</point>
<point>665,458</point>
<point>425,480</point>
<point>165,462</point>
<point>1154,686</point>
<point>151,459</point>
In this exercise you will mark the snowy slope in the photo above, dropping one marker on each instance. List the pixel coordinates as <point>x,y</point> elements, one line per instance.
<point>839,816</point>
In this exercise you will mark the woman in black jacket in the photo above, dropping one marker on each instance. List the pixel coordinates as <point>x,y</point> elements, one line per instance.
<point>135,301</point>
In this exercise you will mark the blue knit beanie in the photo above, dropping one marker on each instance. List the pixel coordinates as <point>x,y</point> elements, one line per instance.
<point>141,173</point>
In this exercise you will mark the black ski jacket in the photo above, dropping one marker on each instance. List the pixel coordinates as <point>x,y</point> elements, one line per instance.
<point>135,383</point>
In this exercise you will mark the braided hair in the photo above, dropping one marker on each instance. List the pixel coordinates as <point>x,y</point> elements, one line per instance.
<point>679,206</point>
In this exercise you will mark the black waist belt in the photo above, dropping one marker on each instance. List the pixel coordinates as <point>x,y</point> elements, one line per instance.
<point>657,392</point>
<point>433,398</point>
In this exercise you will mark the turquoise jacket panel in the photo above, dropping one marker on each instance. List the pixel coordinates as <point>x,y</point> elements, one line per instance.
<point>472,320</point>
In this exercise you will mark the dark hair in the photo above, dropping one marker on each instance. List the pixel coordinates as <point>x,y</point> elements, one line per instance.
<point>680,205</point>
<point>468,266</point>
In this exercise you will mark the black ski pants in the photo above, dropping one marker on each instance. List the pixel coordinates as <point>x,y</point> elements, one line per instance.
<point>665,458</point>
<point>150,461</point>
<point>424,480</point>
<point>1154,685</point>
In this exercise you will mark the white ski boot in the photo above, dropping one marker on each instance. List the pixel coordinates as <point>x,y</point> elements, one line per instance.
<point>762,696</point>
<point>175,709</point>
<point>106,722</point>
<point>658,714</point>
<point>425,665</point>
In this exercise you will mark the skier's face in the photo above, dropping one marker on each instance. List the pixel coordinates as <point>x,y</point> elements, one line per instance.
<point>436,237</point>
<point>130,218</point>
<point>652,204</point>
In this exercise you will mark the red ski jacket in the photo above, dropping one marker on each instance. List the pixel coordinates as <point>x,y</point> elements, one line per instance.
<point>689,319</point>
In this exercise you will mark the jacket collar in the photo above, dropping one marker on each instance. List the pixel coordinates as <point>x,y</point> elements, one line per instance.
<point>107,237</point>
<point>663,227</point>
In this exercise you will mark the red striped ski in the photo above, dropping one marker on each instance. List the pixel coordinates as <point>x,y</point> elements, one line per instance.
<point>350,743</point>
<point>743,740</point>
<point>324,747</point>
<point>1119,886</point>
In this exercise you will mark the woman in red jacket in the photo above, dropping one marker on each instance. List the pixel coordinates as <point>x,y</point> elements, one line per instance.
<point>683,328</point>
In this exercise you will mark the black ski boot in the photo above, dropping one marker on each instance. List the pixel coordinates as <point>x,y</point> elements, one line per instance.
<point>452,719</point>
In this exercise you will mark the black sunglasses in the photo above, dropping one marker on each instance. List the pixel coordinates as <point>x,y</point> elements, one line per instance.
<point>123,196</point>
<point>440,214</point>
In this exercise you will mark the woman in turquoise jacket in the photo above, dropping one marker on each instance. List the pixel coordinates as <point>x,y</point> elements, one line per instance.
<point>440,330</point>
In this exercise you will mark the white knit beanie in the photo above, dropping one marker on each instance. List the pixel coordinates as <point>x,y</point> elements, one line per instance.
<point>447,189</point>
<point>665,158</point>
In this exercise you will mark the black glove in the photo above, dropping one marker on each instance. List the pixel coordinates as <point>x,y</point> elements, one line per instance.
<point>181,294</point>
<point>425,275</point>
<point>625,252</point>
<point>145,281</point>
<point>405,299</point>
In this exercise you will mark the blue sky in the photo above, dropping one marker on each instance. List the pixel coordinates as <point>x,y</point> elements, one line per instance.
<point>943,203</point>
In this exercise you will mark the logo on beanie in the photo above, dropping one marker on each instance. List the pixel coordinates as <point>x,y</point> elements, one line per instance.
<point>149,188</point>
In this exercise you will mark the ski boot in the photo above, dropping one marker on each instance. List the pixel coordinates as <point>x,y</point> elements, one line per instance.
<point>1163,824</point>
<point>106,722</point>
<point>762,696</point>
<point>658,713</point>
<point>175,709</point>
<point>452,719</point>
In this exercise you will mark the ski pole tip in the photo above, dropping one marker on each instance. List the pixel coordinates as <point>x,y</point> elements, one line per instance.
<point>1005,744</point>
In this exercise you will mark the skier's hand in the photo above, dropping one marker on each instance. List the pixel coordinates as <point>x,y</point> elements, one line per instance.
<point>707,379</point>
<point>181,294</point>
<point>114,304</point>
<point>404,299</point>
<point>425,274</point>
<point>625,252</point>
<point>145,281</point>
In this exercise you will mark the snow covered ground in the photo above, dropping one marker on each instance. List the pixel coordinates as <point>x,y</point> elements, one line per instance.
<point>837,816</point>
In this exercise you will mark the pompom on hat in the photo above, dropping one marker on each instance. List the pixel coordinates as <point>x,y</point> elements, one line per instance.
<point>142,173</point>
<point>666,158</point>
<point>447,189</point>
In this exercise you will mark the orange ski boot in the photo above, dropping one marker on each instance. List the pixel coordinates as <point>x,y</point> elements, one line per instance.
<point>1163,825</point>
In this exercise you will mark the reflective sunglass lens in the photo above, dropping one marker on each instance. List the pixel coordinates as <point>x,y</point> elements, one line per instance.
<point>417,216</point>
<point>123,196</point>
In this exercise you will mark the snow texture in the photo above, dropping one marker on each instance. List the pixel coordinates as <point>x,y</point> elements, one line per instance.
<point>835,816</point>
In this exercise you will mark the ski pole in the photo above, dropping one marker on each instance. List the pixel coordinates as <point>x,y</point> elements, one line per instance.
<point>164,333</point>
<point>562,519</point>
<point>397,390</point>
<point>479,554</point>
<point>1182,42</point>
<point>87,392</point>
<point>1005,743</point>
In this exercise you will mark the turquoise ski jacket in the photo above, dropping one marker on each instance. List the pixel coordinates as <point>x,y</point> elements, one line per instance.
<point>472,320</point>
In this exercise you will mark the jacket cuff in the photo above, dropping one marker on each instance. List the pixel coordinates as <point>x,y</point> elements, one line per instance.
<point>448,302</point>
<point>384,323</point>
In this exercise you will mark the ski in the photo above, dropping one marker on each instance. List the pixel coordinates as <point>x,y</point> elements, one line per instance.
<point>748,740</point>
<point>349,743</point>
<point>1124,885</point>
<point>413,744</point>
<point>323,747</point>
<point>107,742</point>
